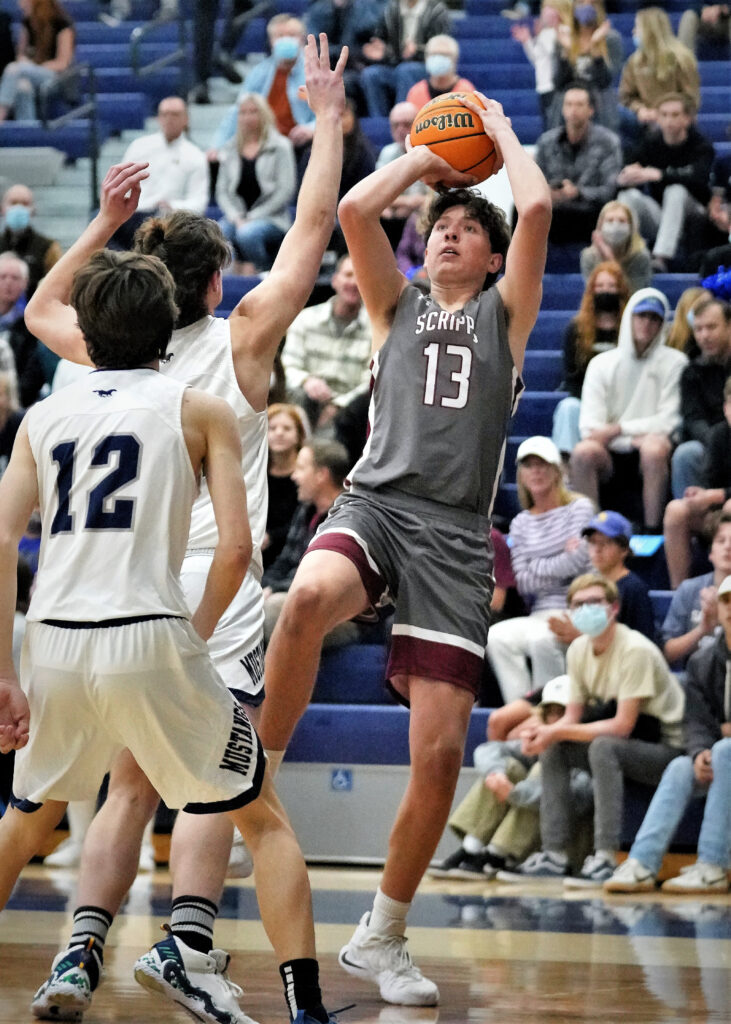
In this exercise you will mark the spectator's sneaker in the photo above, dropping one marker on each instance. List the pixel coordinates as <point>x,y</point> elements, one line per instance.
<point>597,869</point>
<point>196,981</point>
<point>445,867</point>
<point>492,863</point>
<point>698,878</point>
<point>66,994</point>
<point>631,876</point>
<point>461,865</point>
<point>542,866</point>
<point>385,960</point>
<point>240,864</point>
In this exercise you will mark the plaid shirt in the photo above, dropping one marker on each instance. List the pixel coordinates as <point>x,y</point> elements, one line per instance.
<point>314,349</point>
<point>281,572</point>
<point>592,166</point>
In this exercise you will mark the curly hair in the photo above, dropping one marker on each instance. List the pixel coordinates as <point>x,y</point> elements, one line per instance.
<point>125,307</point>
<point>193,249</point>
<point>491,217</point>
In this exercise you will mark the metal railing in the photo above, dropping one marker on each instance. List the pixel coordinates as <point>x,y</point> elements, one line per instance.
<point>76,88</point>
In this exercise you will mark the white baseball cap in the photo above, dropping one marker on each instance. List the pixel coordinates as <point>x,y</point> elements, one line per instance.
<point>557,691</point>
<point>543,447</point>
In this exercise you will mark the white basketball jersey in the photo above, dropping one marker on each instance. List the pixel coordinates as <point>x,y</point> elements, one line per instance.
<point>200,355</point>
<point>116,488</point>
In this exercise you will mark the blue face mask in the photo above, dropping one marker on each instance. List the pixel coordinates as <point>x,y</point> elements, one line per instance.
<point>636,41</point>
<point>438,64</point>
<point>591,619</point>
<point>286,48</point>
<point>585,14</point>
<point>17,217</point>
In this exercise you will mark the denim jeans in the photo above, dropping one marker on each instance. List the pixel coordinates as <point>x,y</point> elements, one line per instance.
<point>385,85</point>
<point>685,467</point>
<point>18,87</point>
<point>565,434</point>
<point>677,788</point>
<point>255,241</point>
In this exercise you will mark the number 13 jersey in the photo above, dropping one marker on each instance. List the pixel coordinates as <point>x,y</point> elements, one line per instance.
<point>116,488</point>
<point>445,387</point>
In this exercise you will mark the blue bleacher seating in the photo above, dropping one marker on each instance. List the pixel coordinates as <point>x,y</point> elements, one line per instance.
<point>535,412</point>
<point>123,109</point>
<point>234,287</point>
<point>542,370</point>
<point>549,329</point>
<point>73,139</point>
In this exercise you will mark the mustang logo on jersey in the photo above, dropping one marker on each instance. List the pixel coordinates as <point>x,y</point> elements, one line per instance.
<point>105,394</point>
<point>240,747</point>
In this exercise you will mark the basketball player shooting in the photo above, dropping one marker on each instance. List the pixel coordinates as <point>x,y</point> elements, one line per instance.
<point>414,527</point>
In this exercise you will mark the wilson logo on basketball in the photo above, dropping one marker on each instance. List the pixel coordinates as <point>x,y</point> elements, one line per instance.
<point>444,121</point>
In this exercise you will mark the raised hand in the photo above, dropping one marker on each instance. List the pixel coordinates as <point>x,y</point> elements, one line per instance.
<point>120,191</point>
<point>494,121</point>
<point>324,85</point>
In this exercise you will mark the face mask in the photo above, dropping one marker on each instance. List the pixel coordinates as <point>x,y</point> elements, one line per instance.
<point>286,48</point>
<point>606,302</point>
<point>585,14</point>
<point>615,232</point>
<point>17,217</point>
<point>591,619</point>
<point>690,319</point>
<point>636,41</point>
<point>438,64</point>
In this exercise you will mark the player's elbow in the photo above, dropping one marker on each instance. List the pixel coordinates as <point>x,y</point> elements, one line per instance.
<point>538,210</point>
<point>349,211</point>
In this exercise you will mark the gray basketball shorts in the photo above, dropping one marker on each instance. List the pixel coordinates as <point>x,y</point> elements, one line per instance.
<point>434,565</point>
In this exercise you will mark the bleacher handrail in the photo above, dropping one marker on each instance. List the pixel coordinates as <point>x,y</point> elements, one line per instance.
<point>76,74</point>
<point>141,34</point>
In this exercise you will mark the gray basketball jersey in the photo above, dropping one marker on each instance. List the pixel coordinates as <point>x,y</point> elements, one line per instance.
<point>445,387</point>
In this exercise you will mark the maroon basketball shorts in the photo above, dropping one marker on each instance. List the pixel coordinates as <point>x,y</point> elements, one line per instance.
<point>434,565</point>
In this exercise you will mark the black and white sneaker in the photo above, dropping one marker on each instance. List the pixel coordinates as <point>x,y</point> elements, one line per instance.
<point>543,866</point>
<point>598,868</point>
<point>460,864</point>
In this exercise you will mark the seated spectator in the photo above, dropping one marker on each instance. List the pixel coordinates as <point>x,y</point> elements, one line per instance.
<point>695,512</point>
<point>395,216</point>
<point>693,613</point>
<point>702,392</point>
<point>11,416</point>
<point>319,473</point>
<point>24,363</point>
<point>630,406</point>
<point>580,161</point>
<point>608,536</point>
<point>540,45</point>
<point>277,79</point>
<point>497,821</point>
<point>680,335</point>
<point>704,770</point>
<point>396,51</point>
<point>411,248</point>
<point>327,353</point>
<point>719,214</point>
<point>441,55</point>
<point>667,184</point>
<point>178,170</point>
<point>348,23</point>
<point>594,329</point>
<point>707,23</point>
<point>286,435</point>
<point>546,552</point>
<point>616,238</point>
<point>590,51</point>
<point>659,67</point>
<point>256,185</point>
<point>19,236</point>
<point>45,48</point>
<point>623,720</point>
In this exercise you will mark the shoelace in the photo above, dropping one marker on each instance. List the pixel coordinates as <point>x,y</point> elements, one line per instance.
<point>395,946</point>
<point>222,972</point>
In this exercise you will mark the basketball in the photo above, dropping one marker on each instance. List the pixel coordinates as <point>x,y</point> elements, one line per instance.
<point>456,134</point>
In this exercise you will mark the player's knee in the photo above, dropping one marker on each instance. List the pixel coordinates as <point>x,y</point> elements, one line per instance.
<point>438,761</point>
<point>307,607</point>
<point>721,756</point>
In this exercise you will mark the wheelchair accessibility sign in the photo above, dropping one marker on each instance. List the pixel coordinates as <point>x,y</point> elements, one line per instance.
<point>341,780</point>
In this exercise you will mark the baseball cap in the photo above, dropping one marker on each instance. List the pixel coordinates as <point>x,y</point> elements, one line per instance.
<point>557,691</point>
<point>611,524</point>
<point>725,587</point>
<point>543,447</point>
<point>650,304</point>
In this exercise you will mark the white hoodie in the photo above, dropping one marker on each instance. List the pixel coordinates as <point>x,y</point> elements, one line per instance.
<point>641,394</point>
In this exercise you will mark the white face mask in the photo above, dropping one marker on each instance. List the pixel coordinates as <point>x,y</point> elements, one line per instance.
<point>615,232</point>
<point>438,64</point>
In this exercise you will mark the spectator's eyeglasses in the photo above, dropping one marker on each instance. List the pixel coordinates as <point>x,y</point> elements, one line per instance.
<point>589,600</point>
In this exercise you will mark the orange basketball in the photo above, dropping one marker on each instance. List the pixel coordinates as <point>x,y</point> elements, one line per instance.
<point>454,133</point>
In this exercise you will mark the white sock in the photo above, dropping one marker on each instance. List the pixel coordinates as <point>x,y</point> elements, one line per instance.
<point>495,850</point>
<point>274,759</point>
<point>471,844</point>
<point>388,916</point>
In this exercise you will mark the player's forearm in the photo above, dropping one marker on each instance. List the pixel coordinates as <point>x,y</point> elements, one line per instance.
<point>318,195</point>
<point>8,595</point>
<point>527,182</point>
<point>225,576</point>
<point>370,197</point>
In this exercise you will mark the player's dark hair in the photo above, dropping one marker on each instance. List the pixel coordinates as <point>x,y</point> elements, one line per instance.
<point>491,217</point>
<point>193,248</point>
<point>125,307</point>
<point>332,456</point>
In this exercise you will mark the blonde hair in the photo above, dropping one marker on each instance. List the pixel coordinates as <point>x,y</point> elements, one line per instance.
<point>294,413</point>
<point>635,243</point>
<point>565,496</point>
<point>661,50</point>
<point>593,579</point>
<point>680,332</point>
<point>599,50</point>
<point>267,122</point>
<point>443,42</point>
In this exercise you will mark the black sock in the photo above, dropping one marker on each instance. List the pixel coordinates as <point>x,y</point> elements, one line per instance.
<point>191,920</point>
<point>302,988</point>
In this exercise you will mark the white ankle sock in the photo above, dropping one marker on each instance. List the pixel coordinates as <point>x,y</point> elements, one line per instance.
<point>388,916</point>
<point>471,844</point>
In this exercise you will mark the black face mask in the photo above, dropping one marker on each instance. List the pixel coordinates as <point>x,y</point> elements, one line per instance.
<point>606,302</point>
